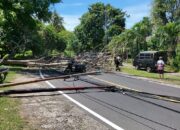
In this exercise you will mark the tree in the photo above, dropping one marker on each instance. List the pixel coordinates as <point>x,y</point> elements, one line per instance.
<point>142,30</point>
<point>134,39</point>
<point>166,26</point>
<point>166,38</point>
<point>99,25</point>
<point>164,11</point>
<point>166,20</point>
<point>52,40</point>
<point>72,44</point>
<point>18,21</point>
<point>119,44</point>
<point>57,22</point>
<point>176,60</point>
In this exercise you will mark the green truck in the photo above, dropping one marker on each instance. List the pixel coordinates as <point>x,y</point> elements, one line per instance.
<point>147,60</point>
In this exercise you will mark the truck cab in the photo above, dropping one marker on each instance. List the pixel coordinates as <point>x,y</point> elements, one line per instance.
<point>148,59</point>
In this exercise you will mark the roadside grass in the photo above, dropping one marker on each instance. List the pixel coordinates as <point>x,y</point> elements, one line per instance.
<point>11,75</point>
<point>13,70</point>
<point>9,114</point>
<point>9,108</point>
<point>142,73</point>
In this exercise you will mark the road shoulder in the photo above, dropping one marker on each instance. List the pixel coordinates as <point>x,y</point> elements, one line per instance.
<point>45,111</point>
<point>157,81</point>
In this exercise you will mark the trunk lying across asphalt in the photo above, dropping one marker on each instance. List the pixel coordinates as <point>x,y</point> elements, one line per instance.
<point>51,78</point>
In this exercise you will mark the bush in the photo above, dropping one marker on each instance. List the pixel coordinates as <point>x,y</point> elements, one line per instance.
<point>26,55</point>
<point>176,63</point>
<point>69,53</point>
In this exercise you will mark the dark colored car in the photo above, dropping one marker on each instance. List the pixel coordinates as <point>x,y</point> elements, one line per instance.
<point>75,68</point>
<point>148,59</point>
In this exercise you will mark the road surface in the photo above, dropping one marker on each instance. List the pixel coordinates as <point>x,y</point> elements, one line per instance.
<point>124,111</point>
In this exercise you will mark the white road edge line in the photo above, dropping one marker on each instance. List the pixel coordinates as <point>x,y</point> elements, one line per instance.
<point>84,107</point>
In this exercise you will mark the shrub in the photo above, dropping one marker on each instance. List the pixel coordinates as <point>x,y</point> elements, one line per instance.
<point>176,63</point>
<point>26,55</point>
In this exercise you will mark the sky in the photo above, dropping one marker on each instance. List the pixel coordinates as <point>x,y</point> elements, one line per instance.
<point>72,10</point>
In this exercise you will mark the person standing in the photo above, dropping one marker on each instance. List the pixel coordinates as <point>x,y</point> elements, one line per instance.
<point>117,61</point>
<point>160,67</point>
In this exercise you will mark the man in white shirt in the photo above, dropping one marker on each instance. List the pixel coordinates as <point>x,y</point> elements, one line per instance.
<point>160,67</point>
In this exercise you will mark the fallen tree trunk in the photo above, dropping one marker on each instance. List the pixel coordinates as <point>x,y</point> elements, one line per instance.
<point>45,79</point>
<point>16,62</point>
<point>38,90</point>
<point>33,63</point>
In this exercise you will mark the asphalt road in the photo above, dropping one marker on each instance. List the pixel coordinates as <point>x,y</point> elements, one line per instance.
<point>128,111</point>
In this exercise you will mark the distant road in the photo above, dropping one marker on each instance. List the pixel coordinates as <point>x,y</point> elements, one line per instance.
<point>129,112</point>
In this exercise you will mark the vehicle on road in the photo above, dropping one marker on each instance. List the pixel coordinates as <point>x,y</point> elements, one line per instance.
<point>148,60</point>
<point>75,68</point>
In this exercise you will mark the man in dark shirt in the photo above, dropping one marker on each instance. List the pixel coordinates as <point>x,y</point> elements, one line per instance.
<point>117,61</point>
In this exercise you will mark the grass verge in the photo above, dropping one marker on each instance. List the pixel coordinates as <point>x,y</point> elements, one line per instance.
<point>10,118</point>
<point>141,73</point>
<point>9,114</point>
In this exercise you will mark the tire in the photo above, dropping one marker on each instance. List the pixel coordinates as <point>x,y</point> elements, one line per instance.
<point>148,69</point>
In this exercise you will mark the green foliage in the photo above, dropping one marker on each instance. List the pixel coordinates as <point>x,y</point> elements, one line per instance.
<point>166,20</point>
<point>99,25</point>
<point>161,33</point>
<point>134,40</point>
<point>69,53</point>
<point>72,44</point>
<point>57,22</point>
<point>21,9</point>
<point>25,55</point>
<point>142,31</point>
<point>164,11</point>
<point>118,43</point>
<point>176,63</point>
<point>5,57</point>
<point>9,117</point>
<point>52,40</point>
<point>166,38</point>
<point>19,20</point>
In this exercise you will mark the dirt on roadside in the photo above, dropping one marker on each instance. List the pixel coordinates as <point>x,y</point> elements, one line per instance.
<point>52,111</point>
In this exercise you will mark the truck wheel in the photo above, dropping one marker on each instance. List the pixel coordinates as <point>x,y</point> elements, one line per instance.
<point>148,69</point>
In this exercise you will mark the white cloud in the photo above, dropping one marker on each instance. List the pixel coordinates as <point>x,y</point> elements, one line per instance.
<point>71,21</point>
<point>136,14</point>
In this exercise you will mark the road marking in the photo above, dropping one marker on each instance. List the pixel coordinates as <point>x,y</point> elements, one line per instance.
<point>122,86</point>
<point>85,108</point>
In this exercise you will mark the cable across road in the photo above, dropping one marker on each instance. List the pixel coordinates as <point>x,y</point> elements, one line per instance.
<point>111,87</point>
<point>125,90</point>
